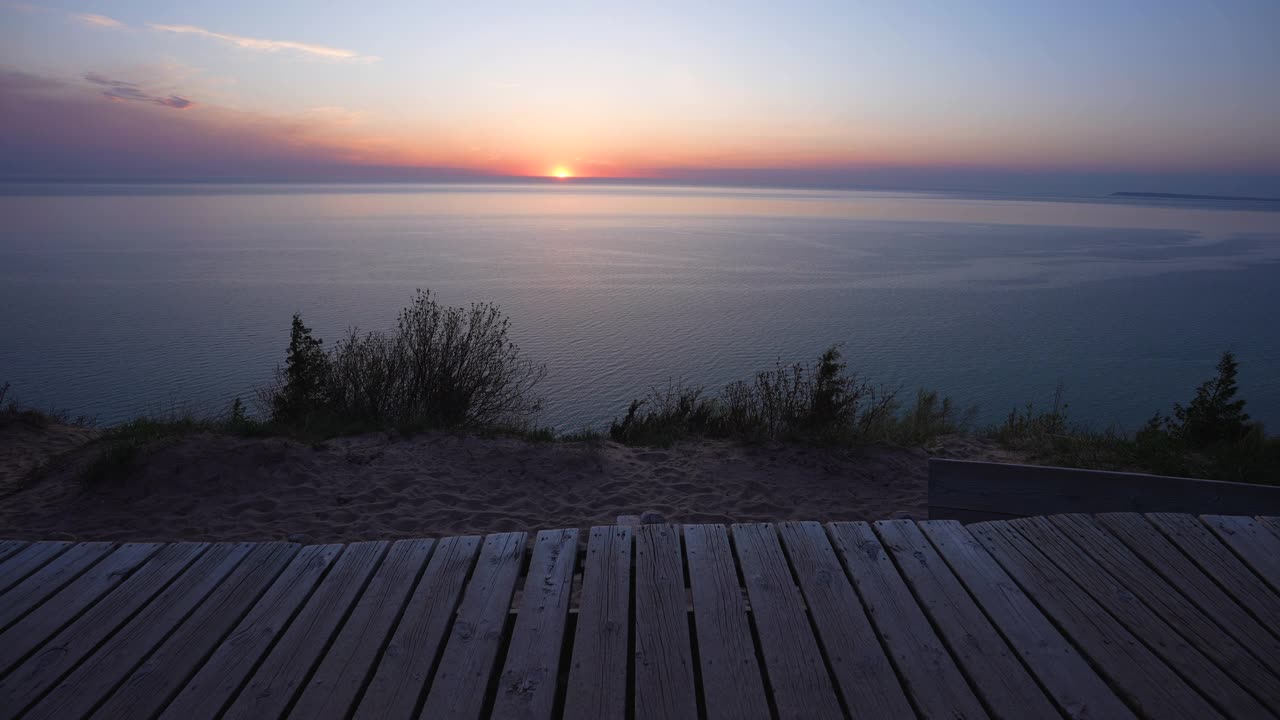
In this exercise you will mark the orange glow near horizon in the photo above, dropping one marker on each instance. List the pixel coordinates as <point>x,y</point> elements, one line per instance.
<point>560,172</point>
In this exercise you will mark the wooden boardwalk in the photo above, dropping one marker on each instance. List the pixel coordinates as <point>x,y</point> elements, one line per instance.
<point>1085,616</point>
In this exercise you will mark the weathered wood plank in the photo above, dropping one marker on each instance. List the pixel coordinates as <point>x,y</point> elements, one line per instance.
<point>966,490</point>
<point>527,685</point>
<point>63,652</point>
<point>1270,522</point>
<point>927,668</point>
<point>221,676</point>
<point>598,671</point>
<point>731,683</point>
<point>793,662</point>
<point>861,668</point>
<point>467,665</point>
<point>98,674</point>
<point>1078,691</point>
<point>28,560</point>
<point>27,594</point>
<point>664,685</point>
<point>9,547</point>
<point>1203,547</point>
<point>146,691</point>
<point>1134,670</point>
<point>1180,572</point>
<point>1098,576</point>
<point>994,671</point>
<point>335,687</point>
<point>282,674</point>
<point>1125,602</point>
<point>409,660</point>
<point>54,613</point>
<point>1257,546</point>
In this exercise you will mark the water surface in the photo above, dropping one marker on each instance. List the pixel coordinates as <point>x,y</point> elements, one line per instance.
<point>117,300</point>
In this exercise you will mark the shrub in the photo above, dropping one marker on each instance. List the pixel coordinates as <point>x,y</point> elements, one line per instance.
<point>1210,437</point>
<point>823,403</point>
<point>1030,427</point>
<point>931,416</point>
<point>442,367</point>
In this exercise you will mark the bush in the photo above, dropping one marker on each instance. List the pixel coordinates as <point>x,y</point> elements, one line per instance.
<point>931,416</point>
<point>823,404</point>
<point>442,367</point>
<point>1210,437</point>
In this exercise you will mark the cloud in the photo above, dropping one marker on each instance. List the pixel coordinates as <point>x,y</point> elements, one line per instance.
<point>99,20</point>
<point>50,128</point>
<point>267,45</point>
<point>121,90</point>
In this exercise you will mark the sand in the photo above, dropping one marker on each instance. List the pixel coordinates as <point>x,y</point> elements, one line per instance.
<point>376,486</point>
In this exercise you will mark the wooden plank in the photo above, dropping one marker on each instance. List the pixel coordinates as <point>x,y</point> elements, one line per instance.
<point>861,668</point>
<point>27,594</point>
<point>1137,673</point>
<point>967,491</point>
<point>98,675</point>
<point>465,669</point>
<point>1126,603</point>
<point>598,667</point>
<point>1272,523</point>
<point>1179,571</point>
<point>54,613</point>
<point>149,687</point>
<point>927,668</point>
<point>1232,575</point>
<point>221,676</point>
<point>663,667</point>
<point>335,687</point>
<point>994,671</point>
<point>28,560</point>
<point>64,651</point>
<point>9,547</point>
<point>527,686</point>
<point>1257,546</point>
<point>731,683</point>
<point>1142,592</point>
<point>284,671</point>
<point>410,657</point>
<point>1078,691</point>
<point>793,663</point>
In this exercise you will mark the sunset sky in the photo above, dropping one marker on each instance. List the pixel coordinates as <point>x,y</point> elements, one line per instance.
<point>1176,93</point>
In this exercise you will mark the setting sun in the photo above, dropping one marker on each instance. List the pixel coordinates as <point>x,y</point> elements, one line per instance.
<point>560,172</point>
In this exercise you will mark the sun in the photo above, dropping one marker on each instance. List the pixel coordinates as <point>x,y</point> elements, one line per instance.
<point>560,172</point>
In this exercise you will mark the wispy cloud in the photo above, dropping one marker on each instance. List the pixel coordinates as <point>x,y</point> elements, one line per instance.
<point>99,20</point>
<point>127,91</point>
<point>264,44</point>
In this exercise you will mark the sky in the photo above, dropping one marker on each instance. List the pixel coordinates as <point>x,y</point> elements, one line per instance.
<point>1147,95</point>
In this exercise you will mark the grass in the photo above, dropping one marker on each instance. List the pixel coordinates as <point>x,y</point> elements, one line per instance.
<point>454,369</point>
<point>12,413</point>
<point>821,404</point>
<point>1210,438</point>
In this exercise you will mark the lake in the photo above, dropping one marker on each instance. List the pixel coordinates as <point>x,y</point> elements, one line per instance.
<point>120,299</point>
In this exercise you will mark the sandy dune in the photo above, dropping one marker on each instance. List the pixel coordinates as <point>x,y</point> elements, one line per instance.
<point>374,486</point>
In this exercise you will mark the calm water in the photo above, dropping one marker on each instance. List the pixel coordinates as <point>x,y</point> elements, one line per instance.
<point>122,299</point>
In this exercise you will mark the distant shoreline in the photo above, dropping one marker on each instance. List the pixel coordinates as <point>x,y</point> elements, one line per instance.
<point>1182,196</point>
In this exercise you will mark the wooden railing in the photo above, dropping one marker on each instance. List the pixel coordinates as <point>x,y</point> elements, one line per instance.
<point>975,491</point>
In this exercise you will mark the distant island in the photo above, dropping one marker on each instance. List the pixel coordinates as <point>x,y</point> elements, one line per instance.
<point>1181,196</point>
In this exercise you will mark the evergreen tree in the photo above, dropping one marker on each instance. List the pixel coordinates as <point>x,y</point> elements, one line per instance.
<point>1214,416</point>
<point>306,367</point>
